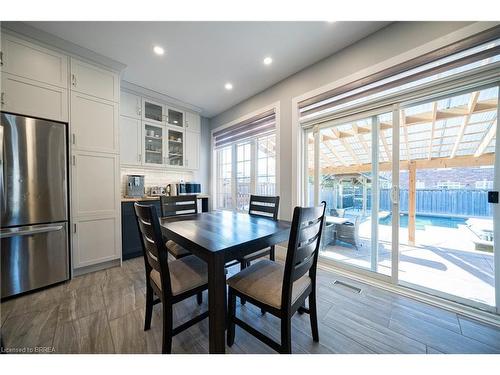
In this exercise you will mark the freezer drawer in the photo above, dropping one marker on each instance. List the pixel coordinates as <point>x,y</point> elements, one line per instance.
<point>33,257</point>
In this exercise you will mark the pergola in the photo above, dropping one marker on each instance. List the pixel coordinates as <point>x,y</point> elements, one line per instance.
<point>454,132</point>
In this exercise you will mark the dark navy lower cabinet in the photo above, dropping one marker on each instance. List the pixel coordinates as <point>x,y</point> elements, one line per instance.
<point>131,242</point>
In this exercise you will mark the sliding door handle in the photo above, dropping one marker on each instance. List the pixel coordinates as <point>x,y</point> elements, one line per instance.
<point>492,196</point>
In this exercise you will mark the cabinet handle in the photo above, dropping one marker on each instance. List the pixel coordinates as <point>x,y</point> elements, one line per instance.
<point>74,160</point>
<point>73,80</point>
<point>1,58</point>
<point>74,228</point>
<point>2,98</point>
<point>73,138</point>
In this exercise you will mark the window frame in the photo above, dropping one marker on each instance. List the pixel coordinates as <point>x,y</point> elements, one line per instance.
<point>253,181</point>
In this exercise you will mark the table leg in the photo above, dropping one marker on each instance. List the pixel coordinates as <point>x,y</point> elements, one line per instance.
<point>217,304</point>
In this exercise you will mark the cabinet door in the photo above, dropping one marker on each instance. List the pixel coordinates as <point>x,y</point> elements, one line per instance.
<point>91,80</point>
<point>95,184</point>
<point>192,150</point>
<point>96,240</point>
<point>31,61</point>
<point>175,147</point>
<point>153,112</point>
<point>175,118</point>
<point>130,105</point>
<point>193,122</point>
<point>94,123</point>
<point>153,138</point>
<point>30,98</point>
<point>130,141</point>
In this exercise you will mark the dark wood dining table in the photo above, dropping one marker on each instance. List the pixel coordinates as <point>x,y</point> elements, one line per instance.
<point>219,237</point>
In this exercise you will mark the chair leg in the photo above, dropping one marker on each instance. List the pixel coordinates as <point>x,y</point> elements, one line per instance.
<point>232,313</point>
<point>166,347</point>
<point>199,298</point>
<point>149,307</point>
<point>272,254</point>
<point>313,315</point>
<point>301,309</point>
<point>286,337</point>
<point>243,265</point>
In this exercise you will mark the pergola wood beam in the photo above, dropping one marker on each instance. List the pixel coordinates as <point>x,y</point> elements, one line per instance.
<point>385,144</point>
<point>487,139</point>
<point>335,153</point>
<point>359,137</point>
<point>470,109</point>
<point>405,127</point>
<point>346,145</point>
<point>433,126</point>
<point>456,162</point>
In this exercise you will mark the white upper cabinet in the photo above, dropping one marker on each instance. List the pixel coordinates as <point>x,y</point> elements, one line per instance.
<point>175,118</point>
<point>192,150</point>
<point>130,105</point>
<point>94,124</point>
<point>193,122</point>
<point>30,98</point>
<point>34,62</point>
<point>130,141</point>
<point>153,112</point>
<point>91,80</point>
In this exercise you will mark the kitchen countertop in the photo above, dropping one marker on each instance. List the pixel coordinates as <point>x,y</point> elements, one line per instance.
<point>155,198</point>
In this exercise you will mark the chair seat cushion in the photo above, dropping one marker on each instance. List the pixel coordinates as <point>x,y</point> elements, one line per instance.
<point>185,274</point>
<point>176,250</point>
<point>257,254</point>
<point>263,282</point>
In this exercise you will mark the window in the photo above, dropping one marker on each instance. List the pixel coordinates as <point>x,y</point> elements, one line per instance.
<point>243,175</point>
<point>266,165</point>
<point>246,161</point>
<point>485,184</point>
<point>224,177</point>
<point>448,185</point>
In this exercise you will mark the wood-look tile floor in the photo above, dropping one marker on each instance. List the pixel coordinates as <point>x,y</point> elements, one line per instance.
<point>103,312</point>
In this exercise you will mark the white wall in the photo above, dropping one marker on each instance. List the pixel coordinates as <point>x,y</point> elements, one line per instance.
<point>391,41</point>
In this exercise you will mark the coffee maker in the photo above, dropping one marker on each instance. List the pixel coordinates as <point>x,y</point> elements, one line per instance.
<point>135,186</point>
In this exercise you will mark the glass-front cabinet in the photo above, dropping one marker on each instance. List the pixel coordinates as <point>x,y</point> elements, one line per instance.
<point>153,144</point>
<point>152,111</point>
<point>175,118</point>
<point>175,147</point>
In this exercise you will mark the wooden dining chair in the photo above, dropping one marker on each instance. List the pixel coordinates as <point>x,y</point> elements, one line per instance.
<point>171,282</point>
<point>266,206</point>
<point>282,289</point>
<point>177,206</point>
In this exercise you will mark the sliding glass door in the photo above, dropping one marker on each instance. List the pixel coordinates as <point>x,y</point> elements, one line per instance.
<point>354,179</point>
<point>407,197</point>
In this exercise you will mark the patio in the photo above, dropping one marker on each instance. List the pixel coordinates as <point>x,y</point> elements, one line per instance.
<point>442,259</point>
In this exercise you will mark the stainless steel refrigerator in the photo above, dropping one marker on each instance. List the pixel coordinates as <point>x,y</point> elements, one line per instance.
<point>34,204</point>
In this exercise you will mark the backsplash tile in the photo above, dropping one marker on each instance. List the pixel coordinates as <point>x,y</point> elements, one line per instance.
<point>154,177</point>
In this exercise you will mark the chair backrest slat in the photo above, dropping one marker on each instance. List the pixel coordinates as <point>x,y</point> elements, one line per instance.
<point>153,245</point>
<point>178,205</point>
<point>303,247</point>
<point>266,206</point>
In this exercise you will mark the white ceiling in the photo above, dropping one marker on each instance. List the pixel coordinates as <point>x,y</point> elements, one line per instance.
<point>201,57</point>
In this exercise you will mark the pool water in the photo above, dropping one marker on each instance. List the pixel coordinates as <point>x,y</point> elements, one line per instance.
<point>422,220</point>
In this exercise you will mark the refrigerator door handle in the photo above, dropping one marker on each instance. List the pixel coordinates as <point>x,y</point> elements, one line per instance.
<point>6,233</point>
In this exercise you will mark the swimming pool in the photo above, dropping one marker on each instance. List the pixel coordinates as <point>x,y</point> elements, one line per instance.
<point>422,220</point>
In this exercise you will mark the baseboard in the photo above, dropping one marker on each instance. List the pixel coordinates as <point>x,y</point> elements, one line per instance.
<point>96,267</point>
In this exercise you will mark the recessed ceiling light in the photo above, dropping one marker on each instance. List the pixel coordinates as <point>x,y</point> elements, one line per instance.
<point>268,61</point>
<point>158,50</point>
<point>228,86</point>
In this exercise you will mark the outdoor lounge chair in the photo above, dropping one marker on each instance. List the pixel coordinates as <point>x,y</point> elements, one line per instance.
<point>349,232</point>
